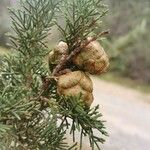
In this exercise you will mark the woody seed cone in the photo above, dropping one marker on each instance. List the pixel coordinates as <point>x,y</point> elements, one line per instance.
<point>92,58</point>
<point>75,83</point>
<point>56,54</point>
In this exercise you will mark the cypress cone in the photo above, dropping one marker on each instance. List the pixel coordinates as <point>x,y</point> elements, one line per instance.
<point>92,58</point>
<point>75,83</point>
<point>56,54</point>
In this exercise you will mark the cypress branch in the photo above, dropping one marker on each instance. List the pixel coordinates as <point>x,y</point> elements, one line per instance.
<point>32,114</point>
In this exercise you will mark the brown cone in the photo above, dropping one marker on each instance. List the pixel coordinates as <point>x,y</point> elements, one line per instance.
<point>75,83</point>
<point>92,58</point>
<point>56,54</point>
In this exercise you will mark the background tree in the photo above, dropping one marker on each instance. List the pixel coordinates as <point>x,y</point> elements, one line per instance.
<point>4,22</point>
<point>129,21</point>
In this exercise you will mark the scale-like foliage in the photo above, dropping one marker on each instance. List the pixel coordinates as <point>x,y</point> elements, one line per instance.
<point>32,114</point>
<point>81,19</point>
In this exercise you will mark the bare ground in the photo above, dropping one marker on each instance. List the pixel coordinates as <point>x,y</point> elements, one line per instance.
<point>128,116</point>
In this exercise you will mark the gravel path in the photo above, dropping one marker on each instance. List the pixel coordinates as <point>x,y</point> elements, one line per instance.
<point>128,116</point>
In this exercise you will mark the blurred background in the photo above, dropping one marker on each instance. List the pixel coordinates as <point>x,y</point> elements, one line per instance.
<point>123,92</point>
<point>4,22</point>
<point>128,43</point>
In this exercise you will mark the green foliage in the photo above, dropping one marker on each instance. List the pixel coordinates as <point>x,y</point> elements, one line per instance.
<point>85,120</point>
<point>22,118</point>
<point>32,114</point>
<point>82,18</point>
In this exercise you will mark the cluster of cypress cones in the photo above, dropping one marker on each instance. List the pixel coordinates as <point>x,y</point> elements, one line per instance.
<point>92,59</point>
